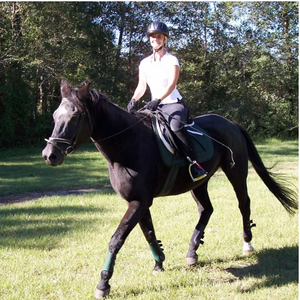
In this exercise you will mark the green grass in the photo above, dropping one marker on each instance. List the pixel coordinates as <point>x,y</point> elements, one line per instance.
<point>55,247</point>
<point>23,171</point>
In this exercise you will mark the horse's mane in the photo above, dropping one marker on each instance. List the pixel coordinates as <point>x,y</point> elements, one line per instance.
<point>97,97</point>
<point>101,99</point>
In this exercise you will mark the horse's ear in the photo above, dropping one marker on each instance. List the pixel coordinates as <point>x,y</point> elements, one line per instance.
<point>64,89</point>
<point>84,92</point>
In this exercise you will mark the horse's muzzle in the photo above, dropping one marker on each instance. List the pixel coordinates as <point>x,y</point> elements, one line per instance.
<point>52,156</point>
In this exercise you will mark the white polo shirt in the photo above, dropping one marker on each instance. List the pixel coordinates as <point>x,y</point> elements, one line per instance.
<point>157,76</point>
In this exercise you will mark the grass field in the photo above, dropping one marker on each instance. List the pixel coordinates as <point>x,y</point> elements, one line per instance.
<point>55,247</point>
<point>23,171</point>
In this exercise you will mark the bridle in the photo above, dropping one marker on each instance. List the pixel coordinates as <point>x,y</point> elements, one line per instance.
<point>72,143</point>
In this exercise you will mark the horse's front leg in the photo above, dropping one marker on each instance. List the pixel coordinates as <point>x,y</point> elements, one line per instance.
<point>146,225</point>
<point>205,210</point>
<point>132,216</point>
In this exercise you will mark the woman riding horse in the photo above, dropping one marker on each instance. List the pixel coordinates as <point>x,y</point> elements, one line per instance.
<point>137,172</point>
<point>160,71</point>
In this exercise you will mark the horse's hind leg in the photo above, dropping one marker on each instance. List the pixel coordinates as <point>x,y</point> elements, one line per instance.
<point>205,209</point>
<point>155,245</point>
<point>238,179</point>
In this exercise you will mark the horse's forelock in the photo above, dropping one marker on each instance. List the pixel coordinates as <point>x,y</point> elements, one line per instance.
<point>74,99</point>
<point>73,96</point>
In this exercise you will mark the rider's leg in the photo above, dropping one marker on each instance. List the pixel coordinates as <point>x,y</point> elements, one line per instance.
<point>196,171</point>
<point>177,114</point>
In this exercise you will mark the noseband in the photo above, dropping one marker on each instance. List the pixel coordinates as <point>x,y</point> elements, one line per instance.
<point>72,143</point>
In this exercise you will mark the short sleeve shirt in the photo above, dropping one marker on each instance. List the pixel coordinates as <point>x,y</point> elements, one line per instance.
<point>157,75</point>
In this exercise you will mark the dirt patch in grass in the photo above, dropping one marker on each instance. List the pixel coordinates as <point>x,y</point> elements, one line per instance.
<point>9,199</point>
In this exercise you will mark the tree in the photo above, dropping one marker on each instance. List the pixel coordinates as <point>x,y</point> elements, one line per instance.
<point>37,55</point>
<point>238,59</point>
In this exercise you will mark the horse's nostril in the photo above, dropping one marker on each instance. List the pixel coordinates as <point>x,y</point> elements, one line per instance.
<point>52,157</point>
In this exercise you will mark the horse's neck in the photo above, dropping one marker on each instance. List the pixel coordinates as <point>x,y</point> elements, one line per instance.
<point>113,119</point>
<point>111,124</point>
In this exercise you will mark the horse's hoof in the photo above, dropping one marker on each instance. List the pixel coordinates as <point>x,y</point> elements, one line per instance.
<point>191,261</point>
<point>247,249</point>
<point>156,271</point>
<point>101,294</point>
<point>247,252</point>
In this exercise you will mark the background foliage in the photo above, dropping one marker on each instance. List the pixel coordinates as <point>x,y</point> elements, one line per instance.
<point>238,59</point>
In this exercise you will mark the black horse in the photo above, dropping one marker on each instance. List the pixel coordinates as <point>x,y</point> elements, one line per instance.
<point>137,172</point>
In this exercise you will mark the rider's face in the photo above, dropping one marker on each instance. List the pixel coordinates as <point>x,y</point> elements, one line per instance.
<point>157,40</point>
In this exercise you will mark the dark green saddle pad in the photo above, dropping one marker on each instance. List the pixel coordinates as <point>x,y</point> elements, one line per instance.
<point>202,144</point>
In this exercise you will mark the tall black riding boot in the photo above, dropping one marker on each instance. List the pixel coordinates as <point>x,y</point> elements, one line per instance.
<point>196,171</point>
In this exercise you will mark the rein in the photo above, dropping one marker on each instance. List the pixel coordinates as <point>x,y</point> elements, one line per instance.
<point>120,132</point>
<point>72,143</point>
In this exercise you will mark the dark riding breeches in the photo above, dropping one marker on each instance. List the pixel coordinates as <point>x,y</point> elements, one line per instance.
<point>176,114</point>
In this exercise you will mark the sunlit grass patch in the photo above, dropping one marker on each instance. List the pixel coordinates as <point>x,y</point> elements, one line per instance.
<point>55,247</point>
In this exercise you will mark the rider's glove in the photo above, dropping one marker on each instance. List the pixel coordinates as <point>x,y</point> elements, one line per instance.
<point>152,105</point>
<point>130,105</point>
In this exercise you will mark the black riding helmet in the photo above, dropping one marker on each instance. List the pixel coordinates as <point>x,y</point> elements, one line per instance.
<point>158,27</point>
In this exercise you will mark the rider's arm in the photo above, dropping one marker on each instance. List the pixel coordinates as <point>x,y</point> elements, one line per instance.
<point>141,87</point>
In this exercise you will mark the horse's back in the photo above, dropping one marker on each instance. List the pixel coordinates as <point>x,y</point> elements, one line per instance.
<point>230,145</point>
<point>213,121</point>
<point>221,129</point>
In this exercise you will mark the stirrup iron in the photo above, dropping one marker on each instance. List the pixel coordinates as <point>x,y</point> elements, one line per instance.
<point>203,175</point>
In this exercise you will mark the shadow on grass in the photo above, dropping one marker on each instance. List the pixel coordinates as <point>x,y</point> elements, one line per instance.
<point>277,267</point>
<point>10,199</point>
<point>44,227</point>
<point>272,268</point>
<point>27,168</point>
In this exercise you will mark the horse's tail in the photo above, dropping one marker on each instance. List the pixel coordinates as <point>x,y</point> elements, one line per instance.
<point>286,196</point>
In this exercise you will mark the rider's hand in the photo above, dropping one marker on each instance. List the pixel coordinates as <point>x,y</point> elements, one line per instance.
<point>152,105</point>
<point>130,105</point>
